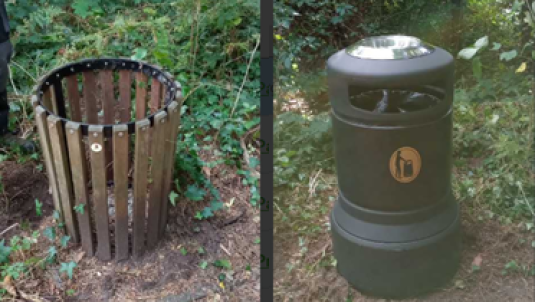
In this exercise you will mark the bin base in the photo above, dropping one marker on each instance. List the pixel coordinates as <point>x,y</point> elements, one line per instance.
<point>397,269</point>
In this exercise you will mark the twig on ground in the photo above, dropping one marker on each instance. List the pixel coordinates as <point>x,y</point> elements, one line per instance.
<point>8,229</point>
<point>12,290</point>
<point>11,79</point>
<point>245,77</point>
<point>224,249</point>
<point>312,184</point>
<point>234,219</point>
<point>24,70</point>
<point>320,251</point>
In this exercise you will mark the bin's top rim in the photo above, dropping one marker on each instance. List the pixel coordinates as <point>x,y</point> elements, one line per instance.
<point>392,47</point>
<point>173,87</point>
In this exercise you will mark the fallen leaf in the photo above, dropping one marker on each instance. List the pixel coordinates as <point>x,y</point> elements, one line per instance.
<point>9,287</point>
<point>478,260</point>
<point>459,284</point>
<point>522,68</point>
<point>206,171</point>
<point>230,203</point>
<point>79,257</point>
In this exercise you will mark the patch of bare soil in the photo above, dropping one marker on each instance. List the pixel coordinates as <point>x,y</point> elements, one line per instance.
<point>169,271</point>
<point>492,243</point>
<point>22,184</point>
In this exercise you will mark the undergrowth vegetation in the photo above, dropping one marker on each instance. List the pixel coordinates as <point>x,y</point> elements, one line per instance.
<point>212,49</point>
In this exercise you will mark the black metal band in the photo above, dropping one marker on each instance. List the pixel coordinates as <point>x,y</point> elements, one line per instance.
<point>54,78</point>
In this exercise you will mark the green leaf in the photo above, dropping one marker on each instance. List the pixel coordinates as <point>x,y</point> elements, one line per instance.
<point>80,208</point>
<point>68,268</point>
<point>56,216</point>
<point>207,212</point>
<point>198,215</point>
<point>50,233</point>
<point>224,263</point>
<point>216,205</point>
<point>482,42</point>
<point>509,55</point>
<point>236,21</point>
<point>5,251</point>
<point>467,53</point>
<point>82,7</point>
<point>14,242</point>
<point>194,193</point>
<point>254,162</point>
<point>183,251</point>
<point>27,243</point>
<point>139,54</point>
<point>64,240</point>
<point>257,241</point>
<point>52,252</point>
<point>201,250</point>
<point>172,198</point>
<point>38,208</point>
<point>203,265</point>
<point>477,68</point>
<point>496,46</point>
<point>149,11</point>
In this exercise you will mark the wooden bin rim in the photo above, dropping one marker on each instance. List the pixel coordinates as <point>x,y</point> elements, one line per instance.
<point>173,87</point>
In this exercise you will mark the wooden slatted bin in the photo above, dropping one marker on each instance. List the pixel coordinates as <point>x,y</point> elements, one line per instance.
<point>108,130</point>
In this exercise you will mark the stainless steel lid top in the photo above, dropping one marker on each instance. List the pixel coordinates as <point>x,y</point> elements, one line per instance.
<point>389,48</point>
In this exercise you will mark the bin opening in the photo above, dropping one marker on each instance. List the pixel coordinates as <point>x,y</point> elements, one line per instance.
<point>393,101</point>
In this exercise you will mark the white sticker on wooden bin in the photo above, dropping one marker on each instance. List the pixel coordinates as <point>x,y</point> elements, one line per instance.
<point>96,147</point>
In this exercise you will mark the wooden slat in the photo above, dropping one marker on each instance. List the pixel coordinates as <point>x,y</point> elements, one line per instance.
<point>47,101</point>
<point>108,106</point>
<point>74,98</point>
<point>108,96</point>
<point>80,182</point>
<point>155,95</point>
<point>59,99</point>
<point>141,95</point>
<point>155,198</point>
<point>100,190</point>
<point>46,146</point>
<point>63,174</point>
<point>125,95</point>
<point>90,94</point>
<point>169,160</point>
<point>140,185</point>
<point>164,91</point>
<point>120,167</point>
<point>53,99</point>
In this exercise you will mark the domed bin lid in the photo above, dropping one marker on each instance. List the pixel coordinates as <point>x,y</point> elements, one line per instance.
<point>389,48</point>
<point>419,79</point>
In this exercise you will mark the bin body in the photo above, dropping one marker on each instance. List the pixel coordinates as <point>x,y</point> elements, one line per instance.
<point>108,129</point>
<point>395,225</point>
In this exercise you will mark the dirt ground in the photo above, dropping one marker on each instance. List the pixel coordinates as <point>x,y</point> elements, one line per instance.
<point>169,272</point>
<point>495,244</point>
<point>23,184</point>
